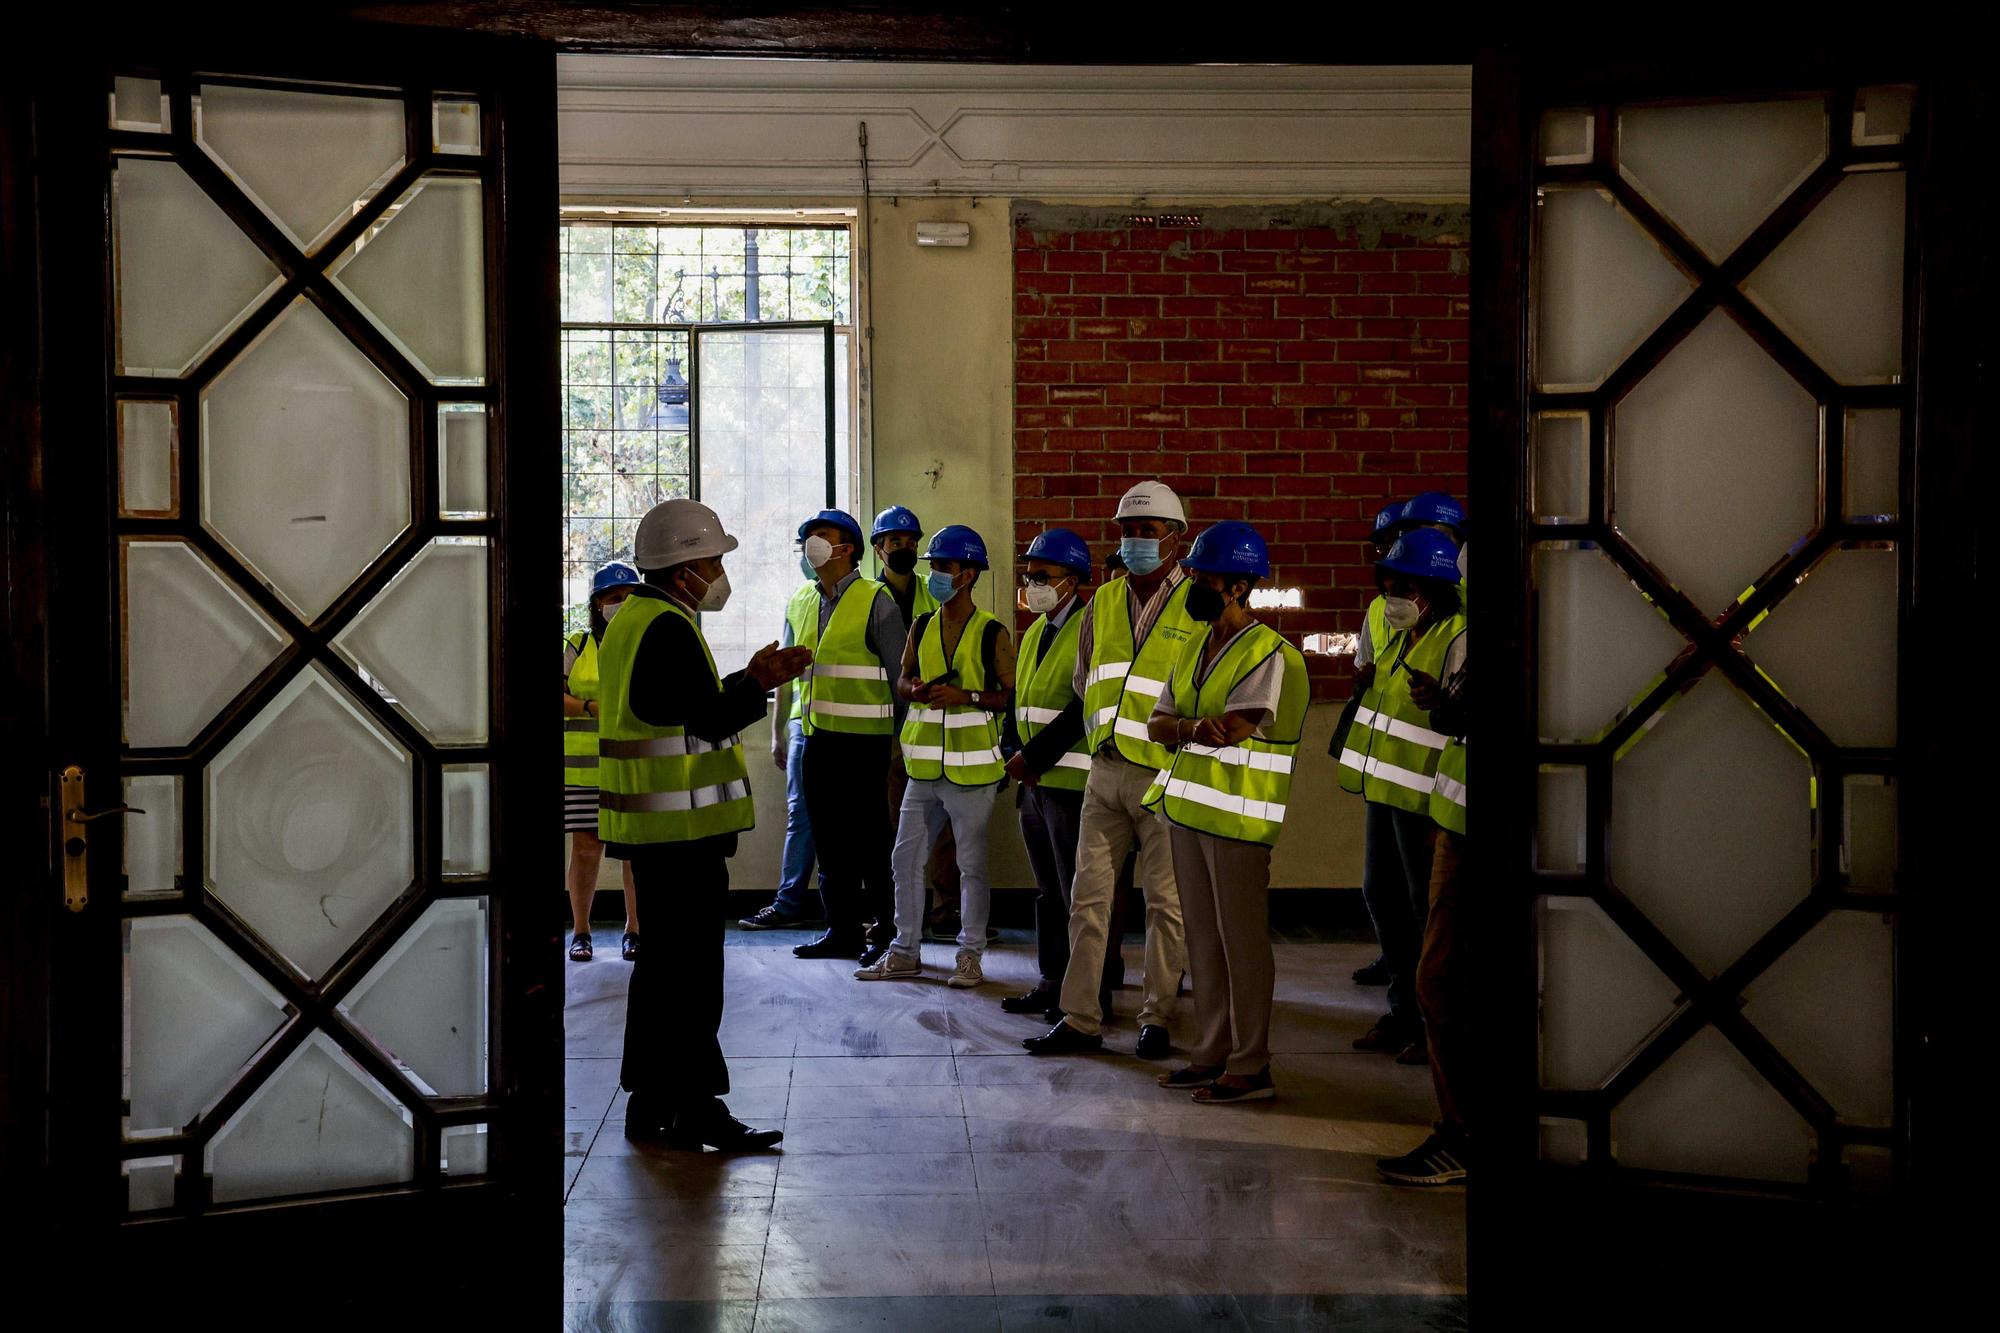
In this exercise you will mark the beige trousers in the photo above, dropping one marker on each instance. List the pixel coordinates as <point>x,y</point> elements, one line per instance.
<point>1112,821</point>
<point>1226,892</point>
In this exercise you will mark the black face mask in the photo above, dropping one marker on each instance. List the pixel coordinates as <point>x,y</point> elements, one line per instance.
<point>903,561</point>
<point>1204,603</point>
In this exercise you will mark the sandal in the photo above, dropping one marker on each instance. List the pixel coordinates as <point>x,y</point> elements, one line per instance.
<point>628,948</point>
<point>579,948</point>
<point>1191,1076</point>
<point>1260,1089</point>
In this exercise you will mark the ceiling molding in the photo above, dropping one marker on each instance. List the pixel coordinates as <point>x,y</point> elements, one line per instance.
<point>648,126</point>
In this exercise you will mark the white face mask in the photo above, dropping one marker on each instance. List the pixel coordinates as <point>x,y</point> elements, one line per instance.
<point>1041,598</point>
<point>610,609</point>
<point>1401,612</point>
<point>818,551</point>
<point>716,595</point>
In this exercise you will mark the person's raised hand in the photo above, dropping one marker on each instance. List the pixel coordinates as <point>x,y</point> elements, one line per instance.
<point>771,666</point>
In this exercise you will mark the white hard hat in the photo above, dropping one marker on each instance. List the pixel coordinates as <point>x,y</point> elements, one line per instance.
<point>1152,499</point>
<point>677,531</point>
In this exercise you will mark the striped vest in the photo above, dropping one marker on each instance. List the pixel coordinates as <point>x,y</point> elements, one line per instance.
<point>1123,685</point>
<point>580,733</point>
<point>1042,690</point>
<point>1237,791</point>
<point>848,688</point>
<point>659,784</point>
<point>961,743</point>
<point>802,614</point>
<point>1391,754</point>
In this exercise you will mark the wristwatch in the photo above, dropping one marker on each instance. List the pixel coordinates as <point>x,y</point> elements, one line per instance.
<point>977,701</point>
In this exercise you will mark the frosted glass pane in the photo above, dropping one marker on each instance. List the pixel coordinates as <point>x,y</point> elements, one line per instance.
<point>1601,998</point>
<point>305,465</point>
<point>309,160</point>
<point>425,1002</point>
<point>422,642</point>
<point>186,275</point>
<point>454,125</point>
<point>319,1123</point>
<point>1601,644</point>
<point>1828,1005</point>
<point>153,839</point>
<point>462,460</point>
<point>1707,1111</point>
<point>468,819</point>
<point>194,1015</point>
<point>148,458</point>
<point>1830,645</point>
<point>1560,820</point>
<point>192,643</point>
<point>309,812</point>
<point>420,275</point>
<point>1874,453</point>
<point>1868,835</point>
<point>138,104</point>
<point>1716,463</point>
<point>1564,1142</point>
<point>1562,467</point>
<point>1836,283</point>
<point>1883,114</point>
<point>1717,171</point>
<point>1568,135</point>
<point>149,1182</point>
<point>763,450</point>
<point>464,1151</point>
<point>1712,824</point>
<point>1603,284</point>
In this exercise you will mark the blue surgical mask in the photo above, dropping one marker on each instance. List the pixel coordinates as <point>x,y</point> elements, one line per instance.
<point>806,568</point>
<point>1140,554</point>
<point>942,586</point>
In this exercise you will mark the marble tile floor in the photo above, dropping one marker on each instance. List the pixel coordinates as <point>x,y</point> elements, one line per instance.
<point>936,1177</point>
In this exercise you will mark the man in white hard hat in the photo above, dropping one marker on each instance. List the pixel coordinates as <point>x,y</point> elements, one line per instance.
<point>1130,639</point>
<point>673,793</point>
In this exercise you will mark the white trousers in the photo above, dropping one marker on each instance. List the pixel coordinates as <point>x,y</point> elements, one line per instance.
<point>927,806</point>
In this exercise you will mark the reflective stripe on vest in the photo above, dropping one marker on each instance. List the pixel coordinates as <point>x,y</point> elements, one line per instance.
<point>962,742</point>
<point>1122,685</point>
<point>1448,792</point>
<point>848,687</point>
<point>1042,691</point>
<point>580,733</point>
<point>1234,791</point>
<point>659,784</point>
<point>1391,754</point>
<point>802,614</point>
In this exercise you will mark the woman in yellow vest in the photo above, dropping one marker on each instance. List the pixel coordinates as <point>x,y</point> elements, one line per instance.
<point>1231,717</point>
<point>958,674</point>
<point>1390,756</point>
<point>580,704</point>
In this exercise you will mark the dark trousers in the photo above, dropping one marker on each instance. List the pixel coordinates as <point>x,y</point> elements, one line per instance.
<point>673,1012</point>
<point>1396,886</point>
<point>1441,982</point>
<point>846,776</point>
<point>1049,819</point>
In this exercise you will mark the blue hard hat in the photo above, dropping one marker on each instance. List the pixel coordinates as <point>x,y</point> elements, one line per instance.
<point>614,575</point>
<point>895,518</point>
<point>1435,507</point>
<point>1060,546</point>
<point>1229,547</point>
<point>955,541</point>
<point>1422,553</point>
<point>836,518</point>
<point>1389,517</point>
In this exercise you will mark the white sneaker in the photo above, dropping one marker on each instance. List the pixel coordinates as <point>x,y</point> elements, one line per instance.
<point>965,973</point>
<point>891,966</point>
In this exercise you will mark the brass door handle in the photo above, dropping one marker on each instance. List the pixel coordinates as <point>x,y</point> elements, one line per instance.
<point>76,843</point>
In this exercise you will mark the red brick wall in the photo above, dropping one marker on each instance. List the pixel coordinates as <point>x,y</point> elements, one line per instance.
<point>1296,377</point>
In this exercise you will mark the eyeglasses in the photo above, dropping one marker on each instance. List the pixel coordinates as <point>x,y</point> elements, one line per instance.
<point>1039,579</point>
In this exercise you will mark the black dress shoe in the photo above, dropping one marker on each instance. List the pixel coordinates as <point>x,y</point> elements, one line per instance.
<point>1154,1042</point>
<point>1062,1039</point>
<point>829,945</point>
<point>871,954</point>
<point>1037,1001</point>
<point>1375,974</point>
<point>723,1132</point>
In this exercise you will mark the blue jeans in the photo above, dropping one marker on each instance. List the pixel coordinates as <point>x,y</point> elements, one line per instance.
<point>1396,886</point>
<point>795,896</point>
<point>928,806</point>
